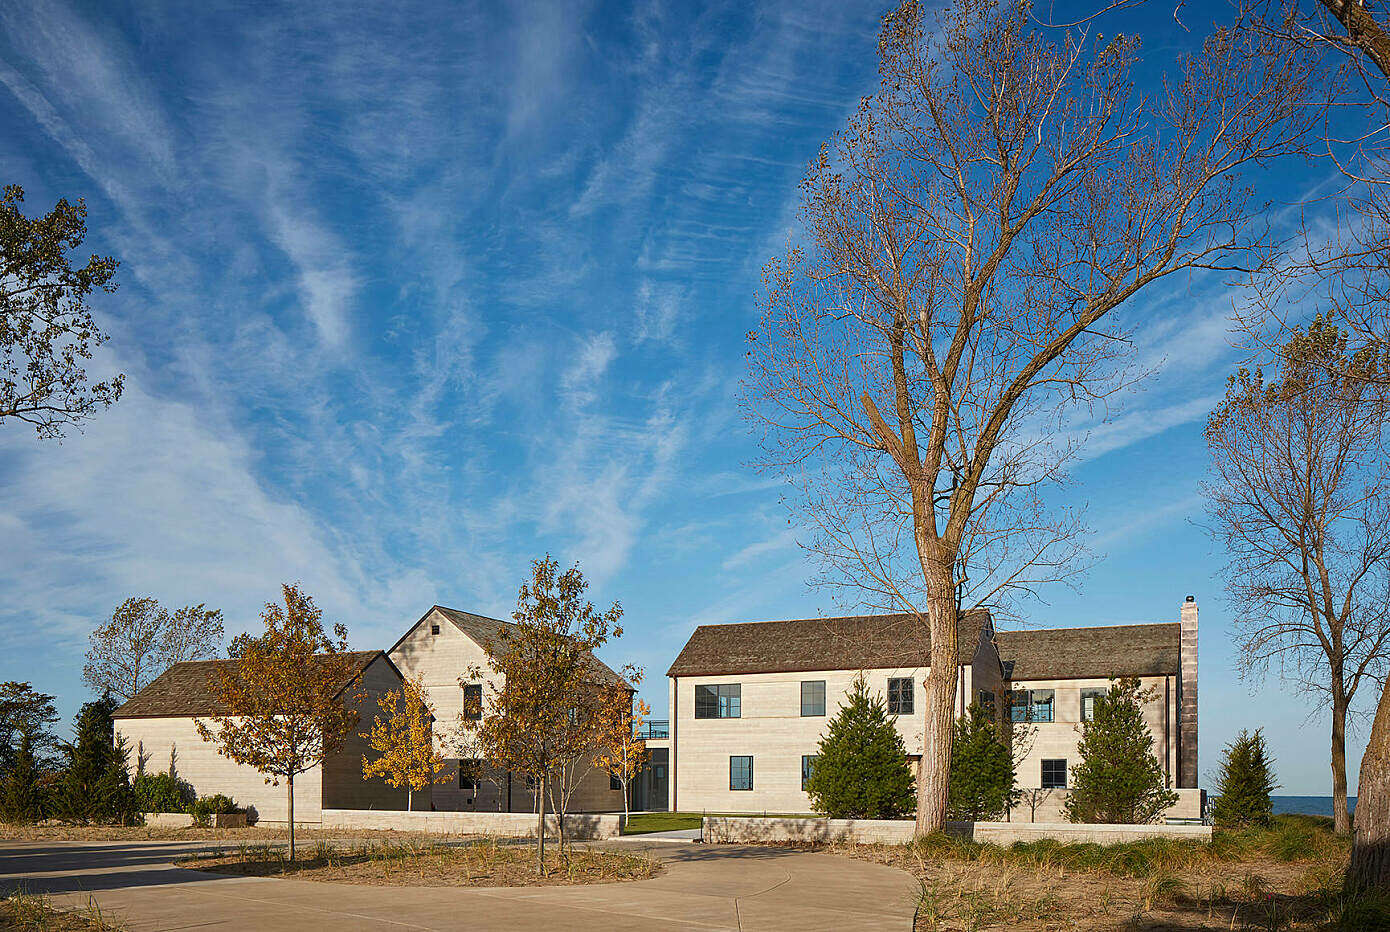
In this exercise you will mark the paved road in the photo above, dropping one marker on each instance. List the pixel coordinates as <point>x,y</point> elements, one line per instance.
<point>705,887</point>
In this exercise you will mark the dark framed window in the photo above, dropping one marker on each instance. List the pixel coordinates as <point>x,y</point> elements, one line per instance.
<point>473,702</point>
<point>900,695</point>
<point>741,772</point>
<point>614,783</point>
<point>434,629</point>
<point>722,701</point>
<point>813,697</point>
<point>1031,705</point>
<point>1088,702</point>
<point>1054,774</point>
<point>468,774</point>
<point>808,764</point>
<point>987,701</point>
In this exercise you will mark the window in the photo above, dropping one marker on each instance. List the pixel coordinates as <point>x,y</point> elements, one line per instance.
<point>900,695</point>
<point>1031,705</point>
<point>813,697</point>
<point>614,783</point>
<point>468,774</point>
<point>434,629</point>
<point>987,701</point>
<point>1054,774</point>
<point>1088,702</point>
<point>741,773</point>
<point>808,764</point>
<point>473,702</point>
<point>718,701</point>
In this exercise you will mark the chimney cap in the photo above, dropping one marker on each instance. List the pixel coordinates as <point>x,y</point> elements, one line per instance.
<point>1192,598</point>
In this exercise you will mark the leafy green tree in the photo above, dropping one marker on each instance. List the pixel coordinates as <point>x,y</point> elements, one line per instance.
<point>1245,783</point>
<point>982,769</point>
<point>94,785</point>
<point>861,770</point>
<point>1119,780</point>
<point>47,331</point>
<point>162,792</point>
<point>21,799</point>
<point>24,711</point>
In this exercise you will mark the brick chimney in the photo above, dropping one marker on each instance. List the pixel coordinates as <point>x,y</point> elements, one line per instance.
<point>1187,694</point>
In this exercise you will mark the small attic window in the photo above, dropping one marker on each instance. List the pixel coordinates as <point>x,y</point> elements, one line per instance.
<point>434,629</point>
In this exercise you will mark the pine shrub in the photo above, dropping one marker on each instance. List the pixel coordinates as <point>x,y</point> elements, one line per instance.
<point>1118,780</point>
<point>982,769</point>
<point>94,785</point>
<point>1245,784</point>
<point>21,800</point>
<point>860,770</point>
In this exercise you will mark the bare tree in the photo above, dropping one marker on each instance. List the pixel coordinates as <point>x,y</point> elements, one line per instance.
<point>143,639</point>
<point>919,360</point>
<point>1298,498</point>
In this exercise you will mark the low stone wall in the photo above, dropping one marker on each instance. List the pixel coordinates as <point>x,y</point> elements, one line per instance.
<point>1049,806</point>
<point>870,831</point>
<point>584,825</point>
<point>168,819</point>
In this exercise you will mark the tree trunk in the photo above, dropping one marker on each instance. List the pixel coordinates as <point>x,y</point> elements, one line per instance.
<point>933,776</point>
<point>410,799</point>
<point>1370,851</point>
<point>1341,822</point>
<point>540,826</point>
<point>290,783</point>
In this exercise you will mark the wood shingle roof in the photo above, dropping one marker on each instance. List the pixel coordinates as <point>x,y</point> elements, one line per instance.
<point>856,642</point>
<point>185,689</point>
<point>491,634</point>
<point>1101,652</point>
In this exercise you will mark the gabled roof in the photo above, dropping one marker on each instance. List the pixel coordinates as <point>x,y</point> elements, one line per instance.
<point>186,689</point>
<point>856,642</point>
<point>1081,653</point>
<point>491,634</point>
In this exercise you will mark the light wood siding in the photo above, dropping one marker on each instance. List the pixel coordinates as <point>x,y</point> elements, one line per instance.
<point>199,763</point>
<point>446,660</point>
<point>344,787</point>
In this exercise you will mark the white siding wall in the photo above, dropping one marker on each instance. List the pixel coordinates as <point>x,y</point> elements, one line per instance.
<point>445,660</point>
<point>199,763</point>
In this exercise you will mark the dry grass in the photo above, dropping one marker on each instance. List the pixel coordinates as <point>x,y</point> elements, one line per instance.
<point>13,832</point>
<point>480,863</point>
<point>1284,878</point>
<point>26,912</point>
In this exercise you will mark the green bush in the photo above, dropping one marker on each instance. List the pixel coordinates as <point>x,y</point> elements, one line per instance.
<point>205,807</point>
<point>1119,780</point>
<point>162,792</point>
<point>982,769</point>
<point>1245,783</point>
<point>860,770</point>
<point>94,785</point>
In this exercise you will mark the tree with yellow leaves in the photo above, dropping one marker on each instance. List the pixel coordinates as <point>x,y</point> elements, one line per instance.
<point>621,752</point>
<point>289,696</point>
<point>403,736</point>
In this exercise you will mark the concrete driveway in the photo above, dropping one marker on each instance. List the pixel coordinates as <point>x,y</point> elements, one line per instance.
<point>703,887</point>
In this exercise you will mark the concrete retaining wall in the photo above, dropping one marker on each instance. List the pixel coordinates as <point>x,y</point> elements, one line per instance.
<point>868,831</point>
<point>168,819</point>
<point>507,824</point>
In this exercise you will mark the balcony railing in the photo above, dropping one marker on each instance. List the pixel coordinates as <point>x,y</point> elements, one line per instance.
<point>655,728</point>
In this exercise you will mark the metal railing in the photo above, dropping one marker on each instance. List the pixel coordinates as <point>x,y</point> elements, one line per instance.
<point>655,728</point>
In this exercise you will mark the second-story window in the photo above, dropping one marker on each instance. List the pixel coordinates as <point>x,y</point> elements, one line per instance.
<point>472,702</point>
<point>1088,702</point>
<point>813,697</point>
<point>722,701</point>
<point>1031,705</point>
<point>900,695</point>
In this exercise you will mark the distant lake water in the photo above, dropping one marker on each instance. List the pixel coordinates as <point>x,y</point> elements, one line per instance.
<point>1309,805</point>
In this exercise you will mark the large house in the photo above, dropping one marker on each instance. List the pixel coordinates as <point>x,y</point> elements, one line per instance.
<point>749,702</point>
<point>445,647</point>
<point>158,725</point>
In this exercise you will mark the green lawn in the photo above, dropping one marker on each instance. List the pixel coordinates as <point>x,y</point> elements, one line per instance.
<point>640,823</point>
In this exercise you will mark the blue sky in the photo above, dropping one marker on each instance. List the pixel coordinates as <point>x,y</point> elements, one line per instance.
<point>413,293</point>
